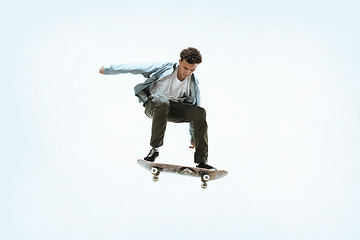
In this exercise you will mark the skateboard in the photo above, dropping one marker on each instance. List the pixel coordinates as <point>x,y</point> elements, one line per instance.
<point>205,174</point>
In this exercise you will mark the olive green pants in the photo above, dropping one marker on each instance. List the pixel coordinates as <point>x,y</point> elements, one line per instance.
<point>161,110</point>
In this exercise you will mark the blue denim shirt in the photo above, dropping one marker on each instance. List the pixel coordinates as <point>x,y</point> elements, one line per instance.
<point>154,72</point>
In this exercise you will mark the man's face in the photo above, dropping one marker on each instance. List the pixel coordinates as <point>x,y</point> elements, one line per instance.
<point>185,69</point>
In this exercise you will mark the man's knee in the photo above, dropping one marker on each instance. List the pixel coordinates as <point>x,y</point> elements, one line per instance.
<point>200,112</point>
<point>156,105</point>
<point>161,103</point>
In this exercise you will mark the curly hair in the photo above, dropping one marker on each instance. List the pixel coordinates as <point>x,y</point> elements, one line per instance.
<point>191,55</point>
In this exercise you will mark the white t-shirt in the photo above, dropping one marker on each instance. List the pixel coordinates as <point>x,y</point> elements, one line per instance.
<point>171,87</point>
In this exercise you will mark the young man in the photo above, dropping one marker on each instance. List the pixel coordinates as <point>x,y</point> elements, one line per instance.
<point>171,93</point>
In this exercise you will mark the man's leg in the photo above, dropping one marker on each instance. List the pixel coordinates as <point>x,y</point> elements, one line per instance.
<point>197,115</point>
<point>157,108</point>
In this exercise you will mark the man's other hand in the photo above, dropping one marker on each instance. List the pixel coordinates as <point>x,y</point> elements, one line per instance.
<point>101,70</point>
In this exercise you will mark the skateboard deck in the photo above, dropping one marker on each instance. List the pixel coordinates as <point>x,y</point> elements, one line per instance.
<point>205,174</point>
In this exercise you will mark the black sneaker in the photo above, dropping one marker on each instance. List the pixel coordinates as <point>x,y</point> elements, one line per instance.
<point>206,166</point>
<point>153,154</point>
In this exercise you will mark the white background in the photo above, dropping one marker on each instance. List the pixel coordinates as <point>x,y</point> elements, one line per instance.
<point>279,81</point>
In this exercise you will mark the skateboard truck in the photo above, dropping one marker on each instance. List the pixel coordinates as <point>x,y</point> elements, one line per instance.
<point>204,179</point>
<point>155,171</point>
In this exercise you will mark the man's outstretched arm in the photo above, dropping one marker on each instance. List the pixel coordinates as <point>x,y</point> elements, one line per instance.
<point>145,69</point>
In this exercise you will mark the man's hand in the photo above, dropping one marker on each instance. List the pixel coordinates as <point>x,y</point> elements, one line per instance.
<point>192,145</point>
<point>101,70</point>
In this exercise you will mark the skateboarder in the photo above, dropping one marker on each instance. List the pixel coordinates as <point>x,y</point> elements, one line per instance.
<point>171,93</point>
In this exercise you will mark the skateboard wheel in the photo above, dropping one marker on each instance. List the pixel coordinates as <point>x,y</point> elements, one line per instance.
<point>206,177</point>
<point>204,185</point>
<point>155,178</point>
<point>154,170</point>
